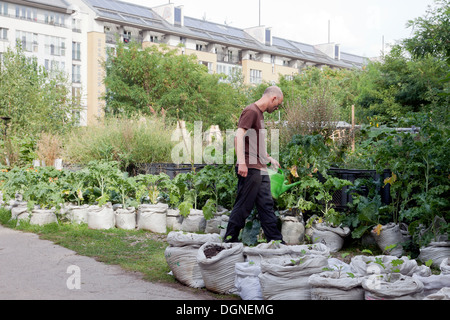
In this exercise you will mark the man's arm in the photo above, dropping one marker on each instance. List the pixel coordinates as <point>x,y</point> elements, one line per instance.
<point>242,166</point>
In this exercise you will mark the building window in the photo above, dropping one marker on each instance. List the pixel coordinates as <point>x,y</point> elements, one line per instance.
<point>3,8</point>
<point>255,76</point>
<point>54,18</point>
<point>26,13</point>
<point>55,46</point>
<point>28,40</point>
<point>154,39</point>
<point>3,33</point>
<point>76,73</point>
<point>199,47</point>
<point>76,51</point>
<point>76,25</point>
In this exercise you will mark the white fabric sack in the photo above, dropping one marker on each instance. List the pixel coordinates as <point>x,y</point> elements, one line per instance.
<point>78,214</point>
<point>19,210</point>
<point>43,217</point>
<point>194,222</point>
<point>293,230</point>
<point>445,266</point>
<point>435,251</point>
<point>247,281</point>
<point>181,239</point>
<point>390,234</point>
<point>335,285</point>
<point>366,265</point>
<point>433,283</point>
<point>392,287</point>
<point>126,219</point>
<point>264,251</point>
<point>174,219</point>
<point>182,262</point>
<point>101,218</point>
<point>282,279</point>
<point>181,256</point>
<point>309,249</point>
<point>152,217</point>
<point>443,294</point>
<point>335,264</point>
<point>219,271</point>
<point>330,236</point>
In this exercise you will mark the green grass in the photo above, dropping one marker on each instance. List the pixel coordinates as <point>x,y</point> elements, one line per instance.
<point>139,251</point>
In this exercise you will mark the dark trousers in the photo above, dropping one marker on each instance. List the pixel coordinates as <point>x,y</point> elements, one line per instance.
<point>253,190</point>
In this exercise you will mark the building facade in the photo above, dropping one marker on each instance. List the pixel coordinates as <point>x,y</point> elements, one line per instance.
<point>74,35</point>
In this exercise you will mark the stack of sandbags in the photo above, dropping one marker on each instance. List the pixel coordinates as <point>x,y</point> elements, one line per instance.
<point>181,256</point>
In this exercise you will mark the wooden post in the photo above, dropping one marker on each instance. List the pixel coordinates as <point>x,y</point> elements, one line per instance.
<point>353,128</point>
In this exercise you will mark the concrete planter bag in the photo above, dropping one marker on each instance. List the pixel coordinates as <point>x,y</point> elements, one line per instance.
<point>266,251</point>
<point>332,237</point>
<point>78,214</point>
<point>101,218</point>
<point>194,222</point>
<point>42,217</point>
<point>287,279</point>
<point>174,219</point>
<point>435,251</point>
<point>218,272</point>
<point>126,219</point>
<point>152,217</point>
<point>293,230</point>
<point>181,256</point>
<point>391,234</point>
<point>393,286</point>
<point>334,285</point>
<point>247,281</point>
<point>366,266</point>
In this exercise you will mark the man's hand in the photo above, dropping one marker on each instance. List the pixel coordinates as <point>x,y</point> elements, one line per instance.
<point>242,170</point>
<point>275,163</point>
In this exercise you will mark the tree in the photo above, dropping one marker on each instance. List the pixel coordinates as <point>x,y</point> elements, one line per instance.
<point>35,99</point>
<point>431,32</point>
<point>157,80</point>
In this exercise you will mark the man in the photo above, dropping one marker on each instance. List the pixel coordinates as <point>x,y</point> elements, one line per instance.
<point>252,159</point>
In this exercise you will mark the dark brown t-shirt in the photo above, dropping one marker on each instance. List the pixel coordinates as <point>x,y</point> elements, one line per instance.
<point>252,120</point>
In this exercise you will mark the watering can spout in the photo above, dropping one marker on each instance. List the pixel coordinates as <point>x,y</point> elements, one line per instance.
<point>278,183</point>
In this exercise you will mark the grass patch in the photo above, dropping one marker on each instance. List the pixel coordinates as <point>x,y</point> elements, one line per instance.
<point>138,251</point>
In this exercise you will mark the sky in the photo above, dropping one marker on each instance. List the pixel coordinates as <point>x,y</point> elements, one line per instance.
<point>359,26</point>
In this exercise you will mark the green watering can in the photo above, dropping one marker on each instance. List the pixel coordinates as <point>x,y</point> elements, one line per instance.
<point>278,184</point>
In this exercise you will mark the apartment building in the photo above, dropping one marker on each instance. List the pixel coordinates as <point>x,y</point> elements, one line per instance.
<point>74,35</point>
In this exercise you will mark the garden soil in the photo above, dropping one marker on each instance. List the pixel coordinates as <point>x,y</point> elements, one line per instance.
<point>35,269</point>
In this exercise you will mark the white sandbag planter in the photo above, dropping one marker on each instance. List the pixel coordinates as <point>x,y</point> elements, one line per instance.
<point>445,266</point>
<point>218,271</point>
<point>285,279</point>
<point>78,214</point>
<point>181,256</point>
<point>367,265</point>
<point>247,281</point>
<point>309,249</point>
<point>332,237</point>
<point>101,218</point>
<point>391,234</point>
<point>443,294</point>
<point>174,219</point>
<point>126,219</point>
<point>42,217</point>
<point>194,222</point>
<point>293,230</point>
<point>214,225</point>
<point>335,285</point>
<point>435,251</point>
<point>19,210</point>
<point>152,217</point>
<point>393,286</point>
<point>266,251</point>
<point>433,283</point>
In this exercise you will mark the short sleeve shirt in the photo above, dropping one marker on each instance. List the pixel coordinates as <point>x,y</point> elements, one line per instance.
<point>252,120</point>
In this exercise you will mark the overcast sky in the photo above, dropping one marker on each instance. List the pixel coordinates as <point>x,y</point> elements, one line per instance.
<point>357,25</point>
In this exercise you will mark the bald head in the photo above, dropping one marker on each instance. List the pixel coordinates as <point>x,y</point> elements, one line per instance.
<point>273,91</point>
